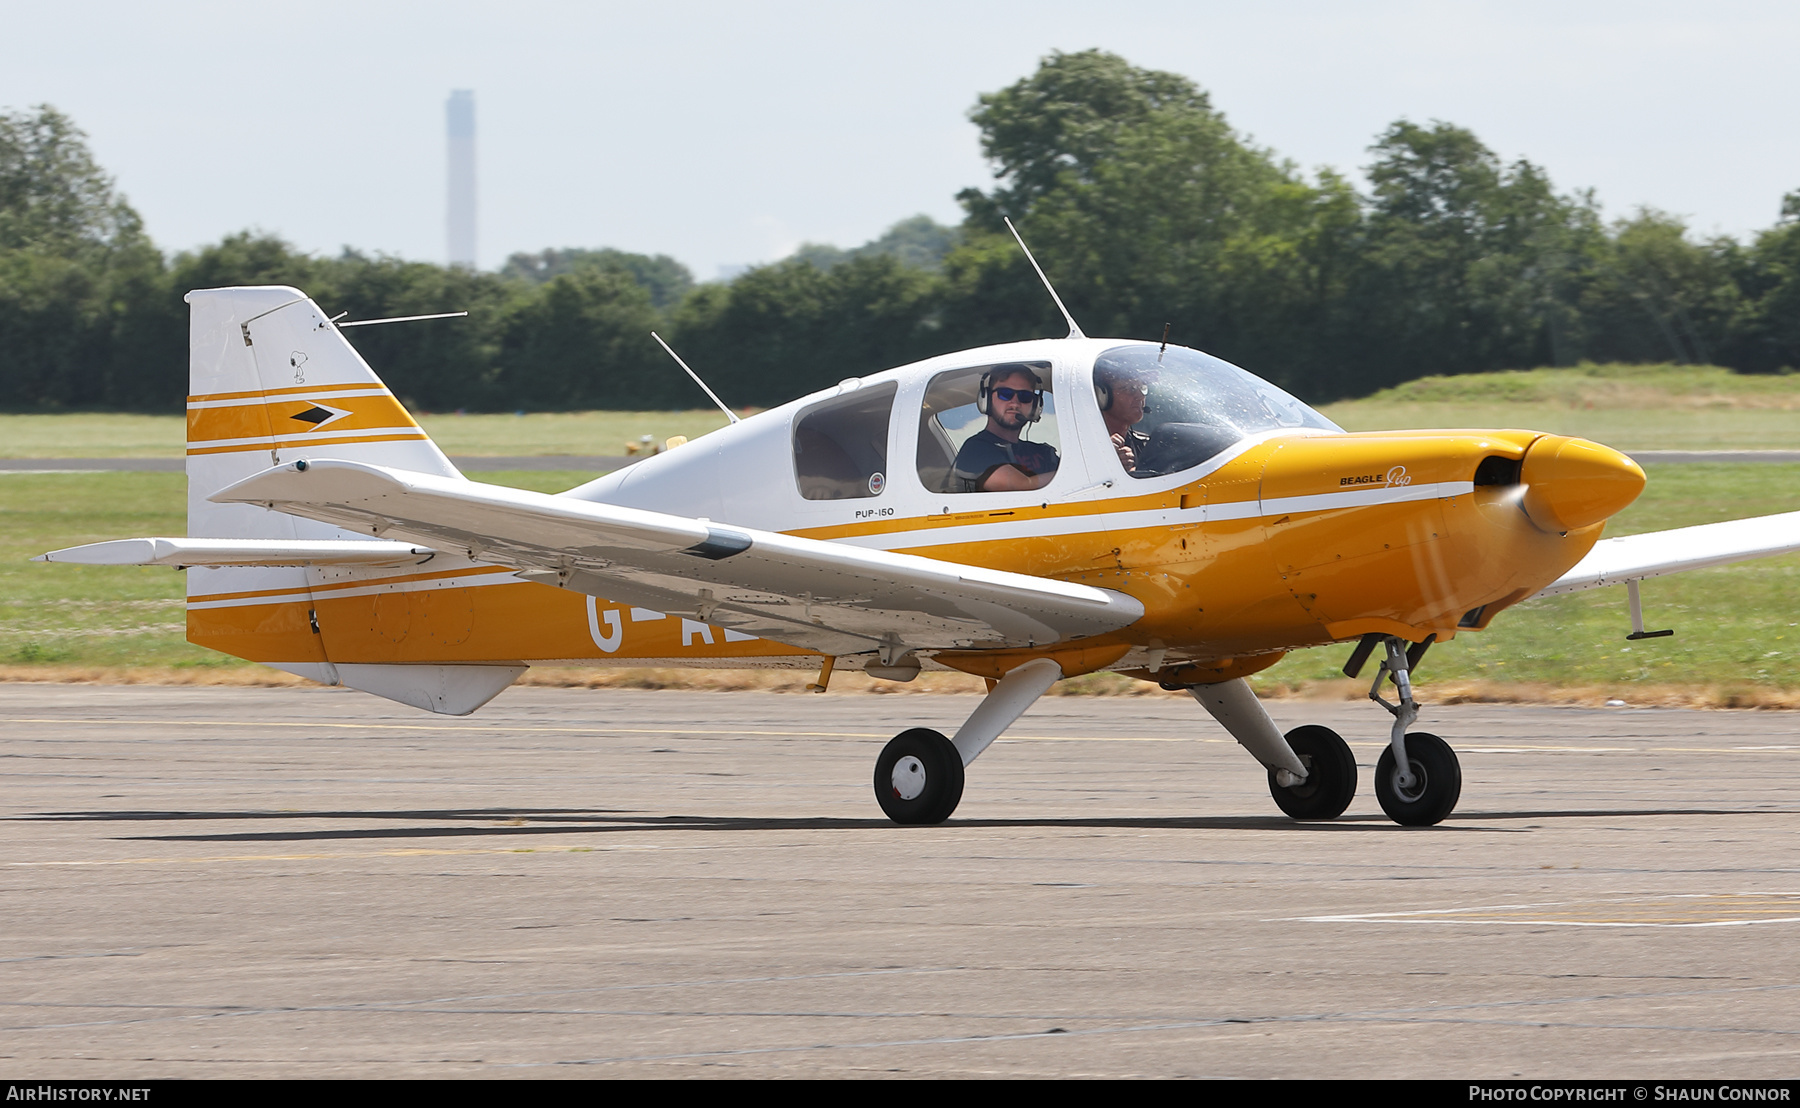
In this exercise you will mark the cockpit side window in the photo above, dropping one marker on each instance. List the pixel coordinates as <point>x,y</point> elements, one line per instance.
<point>1170,410</point>
<point>841,446</point>
<point>989,429</point>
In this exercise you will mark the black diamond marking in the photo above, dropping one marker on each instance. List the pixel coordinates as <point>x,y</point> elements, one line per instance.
<point>719,544</point>
<point>314,415</point>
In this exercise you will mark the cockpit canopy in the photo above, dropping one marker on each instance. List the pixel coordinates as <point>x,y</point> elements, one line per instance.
<point>1022,423</point>
<point>1195,405</point>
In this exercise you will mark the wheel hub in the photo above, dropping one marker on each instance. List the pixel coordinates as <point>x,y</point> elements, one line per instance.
<point>1309,784</point>
<point>909,778</point>
<point>1410,787</point>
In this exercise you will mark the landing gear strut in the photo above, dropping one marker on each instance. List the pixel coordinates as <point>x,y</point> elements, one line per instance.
<point>919,776</point>
<point>1417,779</point>
<point>1312,774</point>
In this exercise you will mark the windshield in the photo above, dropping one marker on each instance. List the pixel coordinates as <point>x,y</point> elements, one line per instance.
<point>1175,409</point>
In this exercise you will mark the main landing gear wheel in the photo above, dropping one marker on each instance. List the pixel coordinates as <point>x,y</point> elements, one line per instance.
<point>1330,780</point>
<point>919,777</point>
<point>1436,784</point>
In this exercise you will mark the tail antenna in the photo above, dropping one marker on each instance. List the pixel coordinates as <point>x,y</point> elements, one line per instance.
<point>1074,329</point>
<point>729,414</point>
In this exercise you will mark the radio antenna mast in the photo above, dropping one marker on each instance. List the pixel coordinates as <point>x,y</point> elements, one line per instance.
<point>729,414</point>
<point>1074,330</point>
<point>396,319</point>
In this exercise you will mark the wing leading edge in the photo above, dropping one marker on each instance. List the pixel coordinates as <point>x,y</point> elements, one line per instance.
<point>824,596</point>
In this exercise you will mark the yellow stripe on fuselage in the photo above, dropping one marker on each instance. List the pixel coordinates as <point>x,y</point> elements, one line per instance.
<point>498,620</point>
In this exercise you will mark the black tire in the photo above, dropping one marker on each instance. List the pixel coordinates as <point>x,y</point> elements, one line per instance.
<point>1331,775</point>
<point>1437,790</point>
<point>927,762</point>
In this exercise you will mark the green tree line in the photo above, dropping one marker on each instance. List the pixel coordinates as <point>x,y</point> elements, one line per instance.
<point>1139,198</point>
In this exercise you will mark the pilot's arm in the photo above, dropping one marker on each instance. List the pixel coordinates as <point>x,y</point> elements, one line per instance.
<point>1131,446</point>
<point>985,464</point>
<point>1010,478</point>
<point>1127,456</point>
<point>1028,465</point>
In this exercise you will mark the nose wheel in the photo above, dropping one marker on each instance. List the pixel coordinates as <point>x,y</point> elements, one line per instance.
<point>919,777</point>
<point>1418,779</point>
<point>1330,781</point>
<point>1426,789</point>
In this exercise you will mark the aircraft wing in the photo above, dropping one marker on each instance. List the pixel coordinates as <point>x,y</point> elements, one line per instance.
<point>825,596</point>
<point>1634,557</point>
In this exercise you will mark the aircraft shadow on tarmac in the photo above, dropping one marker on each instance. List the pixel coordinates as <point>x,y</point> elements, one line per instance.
<point>509,822</point>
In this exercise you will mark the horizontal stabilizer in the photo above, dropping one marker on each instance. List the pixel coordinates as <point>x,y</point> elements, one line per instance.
<point>241,552</point>
<point>1635,557</point>
<point>825,596</point>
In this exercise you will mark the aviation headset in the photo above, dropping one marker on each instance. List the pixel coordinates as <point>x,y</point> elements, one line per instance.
<point>1001,373</point>
<point>1103,390</point>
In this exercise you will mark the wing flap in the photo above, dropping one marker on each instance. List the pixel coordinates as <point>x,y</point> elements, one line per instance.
<point>822,595</point>
<point>1635,557</point>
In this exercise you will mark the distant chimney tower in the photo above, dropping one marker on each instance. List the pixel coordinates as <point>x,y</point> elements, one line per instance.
<point>459,120</point>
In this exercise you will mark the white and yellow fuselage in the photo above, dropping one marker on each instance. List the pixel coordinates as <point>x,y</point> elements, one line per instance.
<point>1288,538</point>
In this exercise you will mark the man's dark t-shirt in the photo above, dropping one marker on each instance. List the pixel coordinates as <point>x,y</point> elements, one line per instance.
<point>985,452</point>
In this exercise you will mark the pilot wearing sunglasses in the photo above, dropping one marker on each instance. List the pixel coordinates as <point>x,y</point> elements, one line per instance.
<point>997,458</point>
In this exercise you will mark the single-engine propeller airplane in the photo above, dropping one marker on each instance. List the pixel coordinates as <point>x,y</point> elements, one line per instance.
<point>1025,513</point>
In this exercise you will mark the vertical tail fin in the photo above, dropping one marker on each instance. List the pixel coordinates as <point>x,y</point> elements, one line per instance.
<point>272,380</point>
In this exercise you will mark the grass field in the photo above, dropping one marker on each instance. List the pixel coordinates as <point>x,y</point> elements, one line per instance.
<point>1735,626</point>
<point>112,615</point>
<point>113,435</point>
<point>1657,407</point>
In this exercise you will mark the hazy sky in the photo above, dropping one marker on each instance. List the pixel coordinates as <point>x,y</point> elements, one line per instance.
<point>727,133</point>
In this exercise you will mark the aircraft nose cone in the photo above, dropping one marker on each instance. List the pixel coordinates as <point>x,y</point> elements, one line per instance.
<point>1573,483</point>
